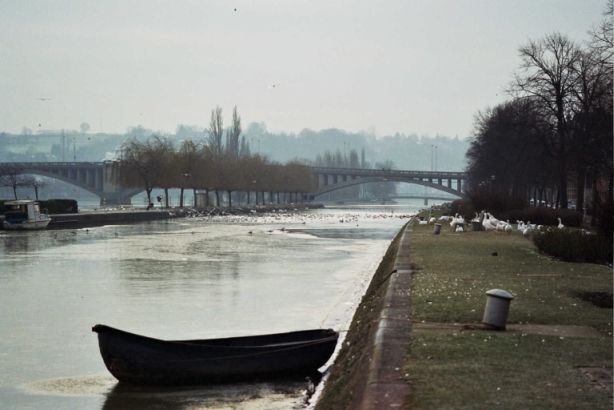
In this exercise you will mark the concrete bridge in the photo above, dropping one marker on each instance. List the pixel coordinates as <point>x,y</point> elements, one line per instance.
<point>331,179</point>
<point>99,178</point>
<point>102,178</point>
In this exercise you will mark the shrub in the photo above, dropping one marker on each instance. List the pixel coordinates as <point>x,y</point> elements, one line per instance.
<point>494,201</point>
<point>463,207</point>
<point>575,246</point>
<point>543,216</point>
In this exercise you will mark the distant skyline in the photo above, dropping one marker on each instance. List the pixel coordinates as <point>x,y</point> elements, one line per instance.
<point>407,66</point>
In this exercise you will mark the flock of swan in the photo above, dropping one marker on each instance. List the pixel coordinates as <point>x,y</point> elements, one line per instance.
<point>488,223</point>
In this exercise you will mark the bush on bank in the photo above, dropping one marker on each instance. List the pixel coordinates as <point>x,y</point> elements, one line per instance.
<point>575,246</point>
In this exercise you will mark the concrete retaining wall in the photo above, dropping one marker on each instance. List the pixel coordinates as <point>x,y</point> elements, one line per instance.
<point>386,386</point>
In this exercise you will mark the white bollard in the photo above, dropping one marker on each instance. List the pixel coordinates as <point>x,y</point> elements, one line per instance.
<point>497,307</point>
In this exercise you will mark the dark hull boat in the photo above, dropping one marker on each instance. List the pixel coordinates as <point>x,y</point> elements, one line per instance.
<point>144,360</point>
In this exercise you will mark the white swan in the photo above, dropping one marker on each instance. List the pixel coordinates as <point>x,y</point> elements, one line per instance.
<point>487,224</point>
<point>560,225</point>
<point>508,227</point>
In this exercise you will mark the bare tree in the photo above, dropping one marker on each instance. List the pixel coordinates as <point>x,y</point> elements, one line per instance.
<point>11,177</point>
<point>602,39</point>
<point>593,100</point>
<point>216,131</point>
<point>142,164</point>
<point>232,136</point>
<point>36,184</point>
<point>547,74</point>
<point>244,150</point>
<point>187,159</point>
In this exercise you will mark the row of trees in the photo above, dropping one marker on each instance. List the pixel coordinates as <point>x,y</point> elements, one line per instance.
<point>214,165</point>
<point>555,131</point>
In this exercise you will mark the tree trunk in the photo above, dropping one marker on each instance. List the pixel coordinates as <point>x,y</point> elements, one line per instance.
<point>595,203</point>
<point>580,186</point>
<point>229,199</point>
<point>15,191</point>
<point>148,191</point>
<point>181,198</point>
<point>166,197</point>
<point>563,184</point>
<point>207,197</point>
<point>217,198</point>
<point>36,192</point>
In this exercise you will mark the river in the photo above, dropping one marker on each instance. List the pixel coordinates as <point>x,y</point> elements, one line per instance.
<point>177,279</point>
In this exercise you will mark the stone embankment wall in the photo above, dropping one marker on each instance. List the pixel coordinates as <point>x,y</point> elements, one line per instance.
<point>368,371</point>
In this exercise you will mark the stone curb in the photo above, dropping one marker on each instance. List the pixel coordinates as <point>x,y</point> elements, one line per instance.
<point>386,386</point>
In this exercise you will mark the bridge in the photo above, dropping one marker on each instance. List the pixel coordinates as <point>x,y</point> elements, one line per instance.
<point>99,178</point>
<point>331,179</point>
<point>102,178</point>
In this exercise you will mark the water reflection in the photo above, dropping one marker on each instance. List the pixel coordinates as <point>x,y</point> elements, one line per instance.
<point>281,394</point>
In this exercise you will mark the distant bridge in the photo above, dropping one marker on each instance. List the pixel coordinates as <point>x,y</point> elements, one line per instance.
<point>332,179</point>
<point>99,178</point>
<point>102,178</point>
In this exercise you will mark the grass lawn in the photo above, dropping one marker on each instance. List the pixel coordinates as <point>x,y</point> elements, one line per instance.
<point>479,369</point>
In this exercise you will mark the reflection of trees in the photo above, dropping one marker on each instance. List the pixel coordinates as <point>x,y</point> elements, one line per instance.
<point>17,242</point>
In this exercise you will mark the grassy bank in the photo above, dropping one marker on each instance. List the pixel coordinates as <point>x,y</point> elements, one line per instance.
<point>456,367</point>
<point>345,385</point>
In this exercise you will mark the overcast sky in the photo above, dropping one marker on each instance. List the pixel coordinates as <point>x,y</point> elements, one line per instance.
<point>404,66</point>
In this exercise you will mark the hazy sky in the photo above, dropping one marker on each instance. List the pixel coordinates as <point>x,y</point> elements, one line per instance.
<point>404,66</point>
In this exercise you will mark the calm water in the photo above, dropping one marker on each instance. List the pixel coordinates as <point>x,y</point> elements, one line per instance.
<point>188,278</point>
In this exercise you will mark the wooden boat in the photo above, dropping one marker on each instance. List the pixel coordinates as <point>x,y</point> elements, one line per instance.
<point>144,360</point>
<point>24,215</point>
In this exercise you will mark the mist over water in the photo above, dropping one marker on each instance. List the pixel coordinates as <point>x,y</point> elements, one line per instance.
<point>177,279</point>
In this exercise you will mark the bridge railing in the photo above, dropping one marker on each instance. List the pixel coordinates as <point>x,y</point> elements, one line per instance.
<point>50,164</point>
<point>390,172</point>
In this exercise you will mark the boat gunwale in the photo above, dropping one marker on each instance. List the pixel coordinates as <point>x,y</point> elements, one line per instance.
<point>328,336</point>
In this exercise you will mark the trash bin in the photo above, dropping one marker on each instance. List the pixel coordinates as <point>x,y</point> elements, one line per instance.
<point>497,307</point>
<point>437,229</point>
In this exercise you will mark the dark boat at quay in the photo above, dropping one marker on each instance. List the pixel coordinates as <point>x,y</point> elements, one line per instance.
<point>137,359</point>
